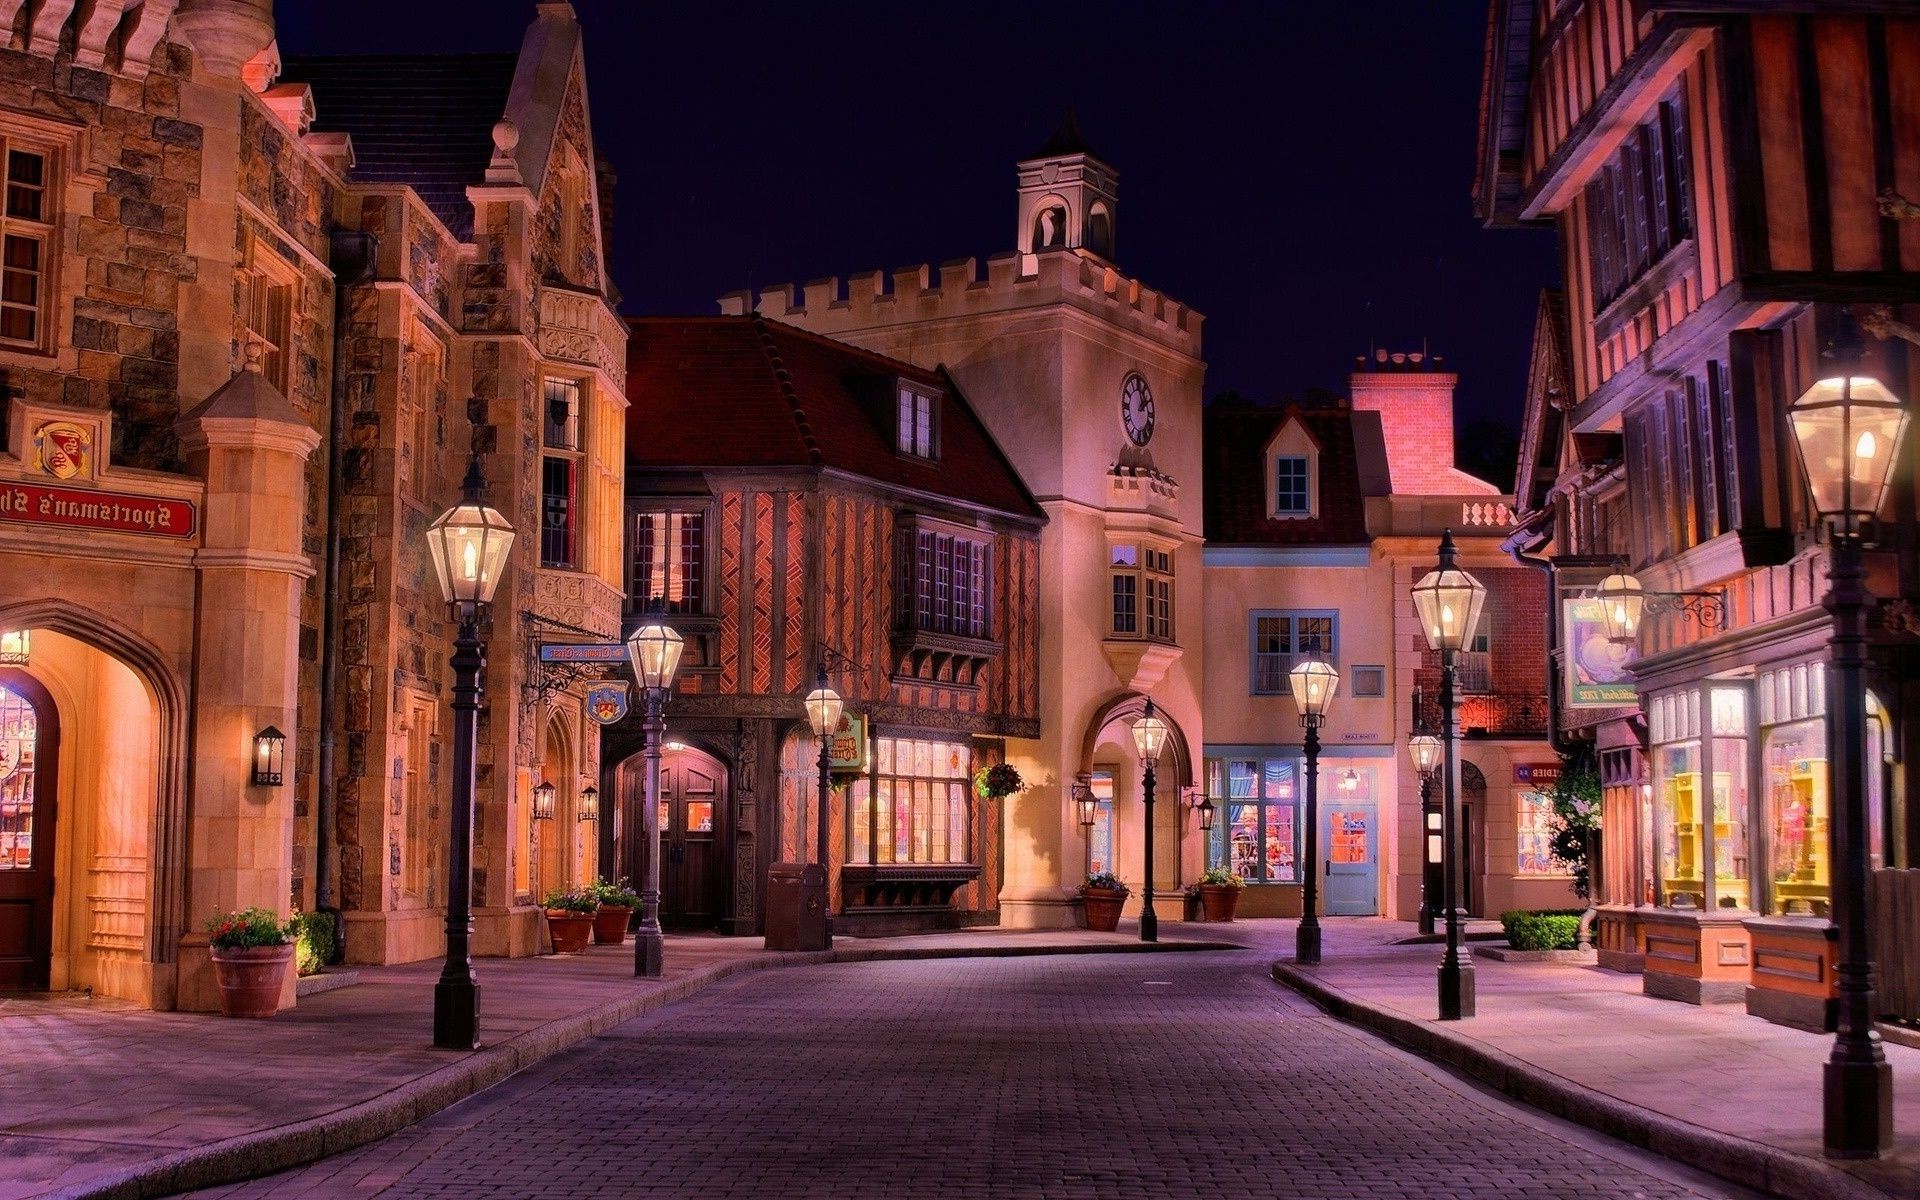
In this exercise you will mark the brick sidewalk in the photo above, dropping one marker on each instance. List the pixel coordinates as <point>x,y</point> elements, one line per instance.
<point>101,1098</point>
<point>1727,1092</point>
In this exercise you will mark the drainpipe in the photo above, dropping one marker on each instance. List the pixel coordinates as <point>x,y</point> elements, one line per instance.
<point>352,259</point>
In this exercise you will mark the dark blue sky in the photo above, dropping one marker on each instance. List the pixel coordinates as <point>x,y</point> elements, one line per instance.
<point>1298,172</point>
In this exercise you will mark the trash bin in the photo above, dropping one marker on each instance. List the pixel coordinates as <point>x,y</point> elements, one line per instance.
<point>797,907</point>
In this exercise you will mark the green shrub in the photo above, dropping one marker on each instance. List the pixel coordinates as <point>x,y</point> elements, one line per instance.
<point>246,929</point>
<point>313,934</point>
<point>1543,929</point>
<point>1222,877</point>
<point>614,895</point>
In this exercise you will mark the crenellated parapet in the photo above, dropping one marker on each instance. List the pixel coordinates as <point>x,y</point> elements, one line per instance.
<point>960,289</point>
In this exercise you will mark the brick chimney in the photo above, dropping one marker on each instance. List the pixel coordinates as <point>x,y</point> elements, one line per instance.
<point>1414,398</point>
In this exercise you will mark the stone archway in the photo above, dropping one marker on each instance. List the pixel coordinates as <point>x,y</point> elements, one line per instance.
<point>122,844</point>
<point>1176,761</point>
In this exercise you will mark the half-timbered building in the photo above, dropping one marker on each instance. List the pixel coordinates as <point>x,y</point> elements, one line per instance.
<point>1714,172</point>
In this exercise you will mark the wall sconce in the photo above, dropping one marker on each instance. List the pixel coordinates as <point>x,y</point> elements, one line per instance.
<point>1085,806</point>
<point>589,803</point>
<point>543,801</point>
<point>1623,602</point>
<point>1205,809</point>
<point>1350,780</point>
<point>269,757</point>
<point>15,648</point>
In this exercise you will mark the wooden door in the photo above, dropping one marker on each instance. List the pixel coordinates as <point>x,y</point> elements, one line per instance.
<point>29,759</point>
<point>1350,846</point>
<point>694,795</point>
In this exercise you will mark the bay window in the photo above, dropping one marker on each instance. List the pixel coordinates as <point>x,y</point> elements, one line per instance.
<point>918,809</point>
<point>560,470</point>
<point>1142,579</point>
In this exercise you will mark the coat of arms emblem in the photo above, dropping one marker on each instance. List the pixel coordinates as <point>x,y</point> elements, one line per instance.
<point>65,449</point>
<point>607,702</point>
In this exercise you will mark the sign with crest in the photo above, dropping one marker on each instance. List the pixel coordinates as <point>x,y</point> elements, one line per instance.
<point>607,702</point>
<point>64,449</point>
<point>848,750</point>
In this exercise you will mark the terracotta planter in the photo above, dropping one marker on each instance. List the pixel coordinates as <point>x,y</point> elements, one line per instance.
<point>610,925</point>
<point>250,979</point>
<point>1218,903</point>
<point>571,930</point>
<point>1103,908</point>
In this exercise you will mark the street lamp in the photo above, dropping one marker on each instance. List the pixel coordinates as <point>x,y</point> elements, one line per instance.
<point>469,544</point>
<point>1622,600</point>
<point>1848,430</point>
<point>654,650</point>
<point>1448,601</point>
<point>1149,737</point>
<point>1426,752</point>
<point>1313,681</point>
<point>823,713</point>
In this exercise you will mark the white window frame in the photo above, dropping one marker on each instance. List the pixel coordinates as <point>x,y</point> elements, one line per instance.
<point>1291,655</point>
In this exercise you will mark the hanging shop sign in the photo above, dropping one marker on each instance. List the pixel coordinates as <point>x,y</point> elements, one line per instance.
<point>583,652</point>
<point>607,702</point>
<point>848,751</point>
<point>1536,775</point>
<point>1596,667</point>
<point>115,512</point>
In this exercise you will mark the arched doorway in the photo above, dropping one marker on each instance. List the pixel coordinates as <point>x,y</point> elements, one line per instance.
<point>29,784</point>
<point>555,837</point>
<point>1473,805</point>
<point>694,803</point>
<point>1110,764</point>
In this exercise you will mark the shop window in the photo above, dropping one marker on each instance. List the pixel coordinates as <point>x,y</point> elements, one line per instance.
<point>917,428</point>
<point>1282,639</point>
<point>1795,761</point>
<point>945,582</point>
<point>1534,822</point>
<point>919,812</point>
<point>26,247</point>
<point>1258,839</point>
<point>272,297</point>
<point>1701,801</point>
<point>669,568</point>
<point>560,470</point>
<point>1102,849</point>
<point>1142,577</point>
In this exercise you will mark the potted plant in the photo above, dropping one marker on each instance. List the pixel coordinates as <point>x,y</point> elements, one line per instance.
<point>251,950</point>
<point>1104,895</point>
<point>1219,893</point>
<point>997,782</point>
<point>617,902</point>
<point>570,919</point>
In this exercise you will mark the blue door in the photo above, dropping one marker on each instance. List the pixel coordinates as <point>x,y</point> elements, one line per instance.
<point>1349,845</point>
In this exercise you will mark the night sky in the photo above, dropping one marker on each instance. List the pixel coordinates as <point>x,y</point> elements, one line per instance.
<point>1298,172</point>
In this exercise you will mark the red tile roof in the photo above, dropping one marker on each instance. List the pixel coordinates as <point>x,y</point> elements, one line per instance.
<point>746,392</point>
<point>1352,466</point>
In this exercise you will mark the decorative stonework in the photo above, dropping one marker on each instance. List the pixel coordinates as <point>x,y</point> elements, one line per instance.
<point>579,327</point>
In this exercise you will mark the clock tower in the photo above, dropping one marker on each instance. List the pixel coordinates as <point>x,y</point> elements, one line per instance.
<point>1091,382</point>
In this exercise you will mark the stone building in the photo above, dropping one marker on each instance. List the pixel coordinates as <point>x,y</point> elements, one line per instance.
<point>248,338</point>
<point>1320,518</point>
<point>799,503</point>
<point>1091,382</point>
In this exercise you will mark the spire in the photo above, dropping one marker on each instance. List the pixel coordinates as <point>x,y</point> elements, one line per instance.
<point>1067,139</point>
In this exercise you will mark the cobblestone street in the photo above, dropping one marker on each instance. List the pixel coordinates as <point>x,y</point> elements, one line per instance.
<point>1098,1076</point>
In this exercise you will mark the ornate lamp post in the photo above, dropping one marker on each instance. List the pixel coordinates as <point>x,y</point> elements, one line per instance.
<point>469,544</point>
<point>1149,737</point>
<point>654,649</point>
<point>823,713</point>
<point>1426,752</point>
<point>1313,681</point>
<point>1449,602</point>
<point>1848,430</point>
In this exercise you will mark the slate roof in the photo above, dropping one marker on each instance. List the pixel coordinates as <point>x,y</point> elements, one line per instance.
<point>1353,465</point>
<point>746,392</point>
<point>424,120</point>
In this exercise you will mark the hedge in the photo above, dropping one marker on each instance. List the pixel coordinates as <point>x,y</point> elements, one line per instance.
<point>1543,929</point>
<point>313,936</point>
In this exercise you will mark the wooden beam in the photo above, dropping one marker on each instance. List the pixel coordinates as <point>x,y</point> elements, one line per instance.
<point>1774,8</point>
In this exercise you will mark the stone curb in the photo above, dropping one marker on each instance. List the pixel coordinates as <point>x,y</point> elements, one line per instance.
<point>1738,1160</point>
<point>263,1152</point>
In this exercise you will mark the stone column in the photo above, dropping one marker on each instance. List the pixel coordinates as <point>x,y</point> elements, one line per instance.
<point>250,447</point>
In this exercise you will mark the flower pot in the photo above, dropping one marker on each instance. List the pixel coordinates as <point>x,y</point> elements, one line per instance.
<point>250,978</point>
<point>610,925</point>
<point>571,930</point>
<point>1103,908</point>
<point>1218,902</point>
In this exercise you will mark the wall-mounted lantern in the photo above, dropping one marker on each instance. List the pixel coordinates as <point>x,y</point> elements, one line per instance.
<point>269,757</point>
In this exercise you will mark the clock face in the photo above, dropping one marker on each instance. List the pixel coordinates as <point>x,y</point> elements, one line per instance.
<point>1136,409</point>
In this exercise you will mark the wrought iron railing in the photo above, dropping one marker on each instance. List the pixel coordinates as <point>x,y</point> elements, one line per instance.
<point>1486,714</point>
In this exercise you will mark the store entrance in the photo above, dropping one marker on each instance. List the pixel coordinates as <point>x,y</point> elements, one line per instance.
<point>29,760</point>
<point>693,836</point>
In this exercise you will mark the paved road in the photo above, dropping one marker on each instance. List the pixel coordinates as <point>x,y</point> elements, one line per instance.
<point>1102,1077</point>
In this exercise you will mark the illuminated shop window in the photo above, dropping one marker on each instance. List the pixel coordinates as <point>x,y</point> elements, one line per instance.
<point>920,805</point>
<point>1259,838</point>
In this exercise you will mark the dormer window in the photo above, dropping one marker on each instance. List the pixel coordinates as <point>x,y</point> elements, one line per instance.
<point>1293,472</point>
<point>918,431</point>
<point>1292,489</point>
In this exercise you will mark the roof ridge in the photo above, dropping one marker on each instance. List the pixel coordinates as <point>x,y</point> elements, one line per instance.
<point>898,365</point>
<point>784,378</point>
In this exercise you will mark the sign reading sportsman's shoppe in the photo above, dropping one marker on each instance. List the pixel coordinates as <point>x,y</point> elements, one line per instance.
<point>79,508</point>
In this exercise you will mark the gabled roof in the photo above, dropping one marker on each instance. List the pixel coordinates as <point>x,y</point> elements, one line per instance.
<point>1506,70</point>
<point>423,120</point>
<point>1549,389</point>
<point>1352,466</point>
<point>747,392</point>
<point>1067,139</point>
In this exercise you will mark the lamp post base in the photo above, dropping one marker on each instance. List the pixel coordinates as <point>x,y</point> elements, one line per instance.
<point>649,953</point>
<point>1426,922</point>
<point>1859,1108</point>
<point>456,1014</point>
<point>1306,943</point>
<point>1456,990</point>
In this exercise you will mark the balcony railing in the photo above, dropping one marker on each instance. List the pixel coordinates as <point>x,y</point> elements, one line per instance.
<point>1487,714</point>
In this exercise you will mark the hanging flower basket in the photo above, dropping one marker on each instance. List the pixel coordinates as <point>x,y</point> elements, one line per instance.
<point>998,782</point>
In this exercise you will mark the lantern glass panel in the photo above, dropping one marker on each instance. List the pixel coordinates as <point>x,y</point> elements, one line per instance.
<point>589,803</point>
<point>655,652</point>
<point>1149,736</point>
<point>824,707</point>
<point>469,543</point>
<point>15,648</point>
<point>1426,752</point>
<point>1449,604</point>
<point>1622,603</point>
<point>1314,681</point>
<point>1848,429</point>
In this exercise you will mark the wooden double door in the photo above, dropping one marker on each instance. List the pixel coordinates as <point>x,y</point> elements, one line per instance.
<point>693,837</point>
<point>29,757</point>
